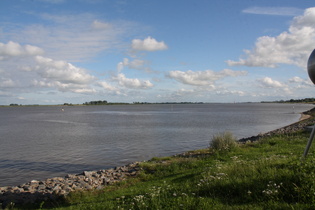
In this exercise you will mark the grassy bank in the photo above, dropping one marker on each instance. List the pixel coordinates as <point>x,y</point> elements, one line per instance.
<point>267,174</point>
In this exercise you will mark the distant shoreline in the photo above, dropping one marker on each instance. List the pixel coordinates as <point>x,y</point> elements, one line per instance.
<point>157,103</point>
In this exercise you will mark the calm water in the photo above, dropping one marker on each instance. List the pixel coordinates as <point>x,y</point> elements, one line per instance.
<point>44,142</point>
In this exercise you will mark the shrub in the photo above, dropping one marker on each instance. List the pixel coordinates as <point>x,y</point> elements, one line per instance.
<point>223,142</point>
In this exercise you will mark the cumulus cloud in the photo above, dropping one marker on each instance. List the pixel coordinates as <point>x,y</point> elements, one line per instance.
<point>13,49</point>
<point>106,86</point>
<point>62,71</point>
<point>62,75</point>
<point>109,88</point>
<point>148,44</point>
<point>289,47</point>
<point>132,83</point>
<point>203,78</point>
<point>267,82</point>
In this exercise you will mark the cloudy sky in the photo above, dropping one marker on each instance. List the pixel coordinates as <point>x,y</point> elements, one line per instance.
<point>73,51</point>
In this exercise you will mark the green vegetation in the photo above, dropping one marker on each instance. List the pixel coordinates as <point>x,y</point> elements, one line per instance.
<point>223,142</point>
<point>268,174</point>
<point>95,103</point>
<point>168,103</point>
<point>305,100</point>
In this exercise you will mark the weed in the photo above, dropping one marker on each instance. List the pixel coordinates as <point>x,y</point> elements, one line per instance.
<point>223,142</point>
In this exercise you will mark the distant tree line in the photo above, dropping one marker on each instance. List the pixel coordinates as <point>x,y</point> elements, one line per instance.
<point>305,100</point>
<point>100,102</point>
<point>168,103</point>
<point>95,103</point>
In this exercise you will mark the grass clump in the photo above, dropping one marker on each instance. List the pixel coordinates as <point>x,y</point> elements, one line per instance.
<point>223,142</point>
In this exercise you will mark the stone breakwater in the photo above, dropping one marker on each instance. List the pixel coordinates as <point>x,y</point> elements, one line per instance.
<point>56,188</point>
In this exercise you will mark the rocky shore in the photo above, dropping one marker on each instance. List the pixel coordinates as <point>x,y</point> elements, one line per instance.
<point>56,188</point>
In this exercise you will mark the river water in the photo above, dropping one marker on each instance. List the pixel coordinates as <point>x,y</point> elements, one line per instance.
<point>48,141</point>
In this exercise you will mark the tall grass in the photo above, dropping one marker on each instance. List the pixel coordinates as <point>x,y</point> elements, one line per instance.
<point>223,142</point>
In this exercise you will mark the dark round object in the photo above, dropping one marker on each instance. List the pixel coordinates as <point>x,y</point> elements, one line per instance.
<point>311,66</point>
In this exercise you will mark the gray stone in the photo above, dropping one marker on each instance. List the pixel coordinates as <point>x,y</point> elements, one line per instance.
<point>53,188</point>
<point>87,173</point>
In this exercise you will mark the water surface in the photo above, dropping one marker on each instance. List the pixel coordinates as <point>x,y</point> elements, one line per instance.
<point>43,142</point>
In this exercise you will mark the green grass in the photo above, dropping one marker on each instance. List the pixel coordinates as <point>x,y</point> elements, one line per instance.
<point>268,174</point>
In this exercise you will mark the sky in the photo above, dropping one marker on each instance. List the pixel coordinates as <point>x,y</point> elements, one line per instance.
<point>75,51</point>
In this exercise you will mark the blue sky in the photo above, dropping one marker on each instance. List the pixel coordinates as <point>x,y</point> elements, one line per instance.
<point>73,51</point>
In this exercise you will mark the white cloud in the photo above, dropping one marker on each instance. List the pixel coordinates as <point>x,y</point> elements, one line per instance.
<point>61,71</point>
<point>60,75</point>
<point>73,38</point>
<point>301,83</point>
<point>137,64</point>
<point>13,49</point>
<point>182,93</point>
<point>110,88</point>
<point>267,82</point>
<point>63,87</point>
<point>292,47</point>
<point>283,11</point>
<point>101,25</point>
<point>132,83</point>
<point>231,92</point>
<point>203,78</point>
<point>148,44</point>
<point>296,80</point>
<point>106,86</point>
<point>6,83</point>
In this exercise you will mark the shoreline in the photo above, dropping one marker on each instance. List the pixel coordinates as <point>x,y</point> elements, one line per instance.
<point>304,121</point>
<point>58,187</point>
<point>304,117</point>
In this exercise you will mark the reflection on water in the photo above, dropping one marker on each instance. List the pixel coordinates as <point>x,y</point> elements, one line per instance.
<point>42,142</point>
<point>42,166</point>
